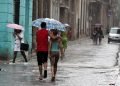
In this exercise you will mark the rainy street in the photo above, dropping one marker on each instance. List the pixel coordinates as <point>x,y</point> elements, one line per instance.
<point>31,29</point>
<point>84,64</point>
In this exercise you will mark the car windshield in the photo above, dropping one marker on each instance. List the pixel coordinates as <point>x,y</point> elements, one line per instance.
<point>116,31</point>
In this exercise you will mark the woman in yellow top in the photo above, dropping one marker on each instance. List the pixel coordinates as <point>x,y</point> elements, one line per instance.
<point>64,40</point>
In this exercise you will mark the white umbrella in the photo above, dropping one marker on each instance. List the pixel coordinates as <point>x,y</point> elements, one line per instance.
<point>66,25</point>
<point>51,23</point>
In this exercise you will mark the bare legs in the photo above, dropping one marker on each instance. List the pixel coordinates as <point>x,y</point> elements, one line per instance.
<point>15,55</point>
<point>42,58</point>
<point>41,70</point>
<point>97,40</point>
<point>54,61</point>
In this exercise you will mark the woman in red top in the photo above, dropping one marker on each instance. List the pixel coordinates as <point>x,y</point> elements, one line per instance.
<point>42,49</point>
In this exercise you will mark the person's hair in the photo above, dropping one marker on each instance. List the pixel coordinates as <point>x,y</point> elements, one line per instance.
<point>43,25</point>
<point>18,31</point>
<point>55,32</point>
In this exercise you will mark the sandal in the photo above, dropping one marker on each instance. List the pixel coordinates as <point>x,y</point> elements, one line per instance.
<point>53,79</point>
<point>40,78</point>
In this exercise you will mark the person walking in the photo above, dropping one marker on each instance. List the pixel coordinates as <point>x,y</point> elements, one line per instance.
<point>42,49</point>
<point>69,33</point>
<point>64,40</point>
<point>19,38</point>
<point>55,46</point>
<point>99,35</point>
<point>94,36</point>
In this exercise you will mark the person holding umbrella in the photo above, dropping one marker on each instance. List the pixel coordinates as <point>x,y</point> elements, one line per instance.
<point>19,38</point>
<point>42,49</point>
<point>100,35</point>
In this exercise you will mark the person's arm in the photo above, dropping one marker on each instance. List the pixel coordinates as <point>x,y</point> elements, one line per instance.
<point>102,34</point>
<point>49,47</point>
<point>52,36</point>
<point>20,38</point>
<point>36,42</point>
<point>19,35</point>
<point>61,46</point>
<point>36,37</point>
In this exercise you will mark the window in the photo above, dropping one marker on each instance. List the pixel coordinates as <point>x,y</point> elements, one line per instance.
<point>116,31</point>
<point>16,11</point>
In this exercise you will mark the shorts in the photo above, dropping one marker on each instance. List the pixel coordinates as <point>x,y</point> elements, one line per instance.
<point>54,58</point>
<point>42,57</point>
<point>55,54</point>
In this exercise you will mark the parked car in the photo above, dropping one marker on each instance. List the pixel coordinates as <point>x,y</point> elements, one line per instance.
<point>114,34</point>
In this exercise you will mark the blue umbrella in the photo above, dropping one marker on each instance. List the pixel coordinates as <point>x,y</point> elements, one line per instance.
<point>51,23</point>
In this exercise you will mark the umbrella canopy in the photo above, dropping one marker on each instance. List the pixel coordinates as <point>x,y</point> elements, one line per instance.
<point>66,25</point>
<point>51,23</point>
<point>98,25</point>
<point>15,26</point>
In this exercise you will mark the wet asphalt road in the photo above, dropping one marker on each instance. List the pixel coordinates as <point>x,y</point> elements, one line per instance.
<point>84,64</point>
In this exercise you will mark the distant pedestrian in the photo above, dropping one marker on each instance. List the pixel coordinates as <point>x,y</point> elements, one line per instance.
<point>69,33</point>
<point>19,38</point>
<point>55,46</point>
<point>99,35</point>
<point>94,36</point>
<point>64,40</point>
<point>42,49</point>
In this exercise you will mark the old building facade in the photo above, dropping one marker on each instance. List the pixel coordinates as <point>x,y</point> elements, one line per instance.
<point>99,12</point>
